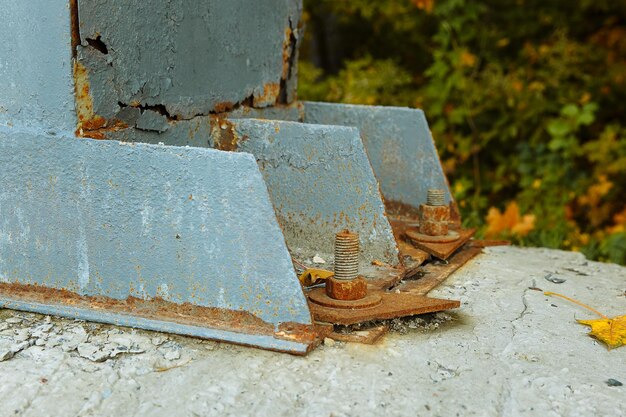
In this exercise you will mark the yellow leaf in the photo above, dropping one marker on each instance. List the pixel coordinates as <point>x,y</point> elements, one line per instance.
<point>611,331</point>
<point>312,276</point>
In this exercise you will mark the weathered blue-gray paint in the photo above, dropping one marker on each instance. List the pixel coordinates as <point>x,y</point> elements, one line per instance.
<point>192,57</point>
<point>320,182</point>
<point>398,141</point>
<point>152,121</point>
<point>36,84</point>
<point>399,145</point>
<point>319,178</point>
<point>117,220</point>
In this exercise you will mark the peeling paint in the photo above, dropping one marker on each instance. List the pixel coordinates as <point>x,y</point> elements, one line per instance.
<point>201,57</point>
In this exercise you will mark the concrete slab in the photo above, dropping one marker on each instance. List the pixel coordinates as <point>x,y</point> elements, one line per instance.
<point>508,351</point>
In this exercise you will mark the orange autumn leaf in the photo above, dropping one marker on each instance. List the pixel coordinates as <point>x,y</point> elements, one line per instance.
<point>509,222</point>
<point>426,5</point>
<point>611,331</point>
<point>468,59</point>
<point>595,193</point>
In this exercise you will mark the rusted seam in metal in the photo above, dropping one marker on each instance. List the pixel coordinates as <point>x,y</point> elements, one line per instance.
<point>289,58</point>
<point>74,26</point>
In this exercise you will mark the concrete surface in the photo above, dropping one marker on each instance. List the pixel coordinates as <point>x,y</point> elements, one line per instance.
<point>508,351</point>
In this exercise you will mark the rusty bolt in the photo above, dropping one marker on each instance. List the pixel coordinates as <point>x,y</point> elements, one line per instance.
<point>346,255</point>
<point>346,284</point>
<point>435,214</point>
<point>435,197</point>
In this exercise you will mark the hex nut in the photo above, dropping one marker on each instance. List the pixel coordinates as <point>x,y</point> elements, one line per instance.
<point>340,289</point>
<point>434,220</point>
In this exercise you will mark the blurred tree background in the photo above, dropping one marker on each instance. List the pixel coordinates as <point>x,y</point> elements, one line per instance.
<point>526,100</point>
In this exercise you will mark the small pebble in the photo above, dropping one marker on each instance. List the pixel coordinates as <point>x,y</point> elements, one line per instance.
<point>14,320</point>
<point>613,383</point>
<point>329,342</point>
<point>172,355</point>
<point>318,259</point>
<point>555,280</point>
<point>6,354</point>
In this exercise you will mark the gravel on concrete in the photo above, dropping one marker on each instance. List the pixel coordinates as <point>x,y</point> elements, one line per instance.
<point>508,351</point>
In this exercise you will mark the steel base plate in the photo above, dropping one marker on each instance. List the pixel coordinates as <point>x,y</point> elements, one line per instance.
<point>392,305</point>
<point>319,296</point>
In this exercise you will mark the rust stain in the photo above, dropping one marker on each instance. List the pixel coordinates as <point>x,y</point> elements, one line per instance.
<point>339,289</point>
<point>393,305</point>
<point>74,26</point>
<point>397,208</point>
<point>223,132</point>
<point>434,274</point>
<point>224,107</point>
<point>160,309</point>
<point>87,119</point>
<point>287,51</point>
<point>90,125</point>
<point>269,96</point>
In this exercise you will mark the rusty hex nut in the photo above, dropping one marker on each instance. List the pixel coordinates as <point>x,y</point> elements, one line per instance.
<point>434,220</point>
<point>341,289</point>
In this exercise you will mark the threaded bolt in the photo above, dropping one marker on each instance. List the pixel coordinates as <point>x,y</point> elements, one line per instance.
<point>346,255</point>
<point>436,197</point>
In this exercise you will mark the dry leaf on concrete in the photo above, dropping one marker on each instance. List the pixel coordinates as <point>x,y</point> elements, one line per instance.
<point>611,331</point>
<point>312,276</point>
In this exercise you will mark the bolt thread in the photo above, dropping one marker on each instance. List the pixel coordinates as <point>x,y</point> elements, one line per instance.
<point>346,255</point>
<point>436,197</point>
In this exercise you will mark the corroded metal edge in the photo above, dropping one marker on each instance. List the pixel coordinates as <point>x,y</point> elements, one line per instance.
<point>434,275</point>
<point>287,337</point>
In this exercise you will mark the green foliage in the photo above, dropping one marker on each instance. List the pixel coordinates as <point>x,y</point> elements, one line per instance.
<point>526,101</point>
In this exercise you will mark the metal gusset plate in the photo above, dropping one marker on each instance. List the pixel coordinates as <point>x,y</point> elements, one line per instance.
<point>173,239</point>
<point>399,145</point>
<point>320,182</point>
<point>318,177</point>
<point>398,142</point>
